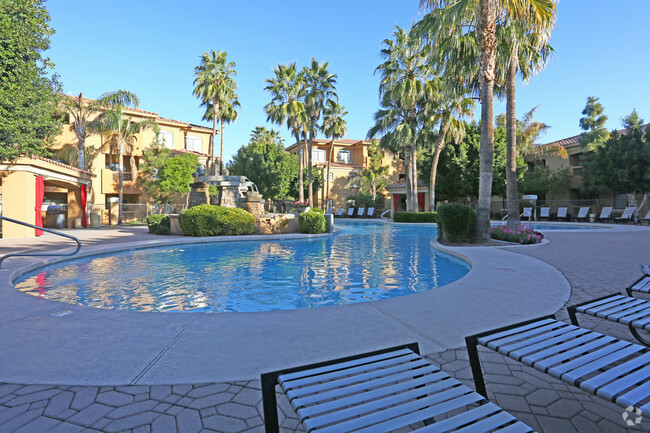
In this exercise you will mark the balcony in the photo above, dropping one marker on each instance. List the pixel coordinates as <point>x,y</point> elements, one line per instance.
<point>110,183</point>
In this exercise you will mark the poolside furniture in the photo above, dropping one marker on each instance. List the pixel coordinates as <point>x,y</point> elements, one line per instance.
<point>350,212</point>
<point>330,210</point>
<point>605,213</point>
<point>561,213</point>
<point>545,212</point>
<point>339,212</point>
<point>371,212</point>
<point>598,364</point>
<point>583,213</point>
<point>527,213</point>
<point>645,218</point>
<point>633,312</point>
<point>381,391</point>
<point>628,214</point>
<point>642,285</point>
<point>360,212</point>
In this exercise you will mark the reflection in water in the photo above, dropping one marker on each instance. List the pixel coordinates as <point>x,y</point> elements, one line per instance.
<point>365,261</point>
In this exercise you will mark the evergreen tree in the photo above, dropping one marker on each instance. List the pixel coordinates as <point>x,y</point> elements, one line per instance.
<point>28,96</point>
<point>593,123</point>
<point>374,177</point>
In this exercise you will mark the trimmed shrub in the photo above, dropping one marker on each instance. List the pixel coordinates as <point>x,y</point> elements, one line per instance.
<point>158,224</point>
<point>319,210</point>
<point>312,222</point>
<point>455,222</point>
<point>415,217</point>
<point>208,220</point>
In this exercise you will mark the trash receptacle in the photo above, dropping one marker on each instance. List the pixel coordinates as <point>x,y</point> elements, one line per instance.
<point>95,220</point>
<point>76,223</point>
<point>60,221</point>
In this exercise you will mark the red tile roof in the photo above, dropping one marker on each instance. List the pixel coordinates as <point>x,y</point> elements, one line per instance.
<point>574,140</point>
<point>402,184</point>
<point>338,165</point>
<point>61,164</point>
<point>193,152</point>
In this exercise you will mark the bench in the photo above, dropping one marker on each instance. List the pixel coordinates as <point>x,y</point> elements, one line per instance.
<point>642,285</point>
<point>633,312</point>
<point>598,364</point>
<point>382,391</point>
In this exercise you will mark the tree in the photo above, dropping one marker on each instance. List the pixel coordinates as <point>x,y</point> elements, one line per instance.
<point>215,85</point>
<point>593,123</point>
<point>482,15</point>
<point>28,96</point>
<point>375,176</point>
<point>288,91</point>
<point>80,112</point>
<point>404,86</point>
<point>228,114</point>
<point>121,131</point>
<point>334,126</point>
<point>545,182</point>
<point>319,87</point>
<point>176,174</point>
<point>264,161</point>
<point>152,163</point>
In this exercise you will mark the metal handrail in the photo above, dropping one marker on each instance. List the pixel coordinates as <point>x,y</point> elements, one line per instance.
<point>6,256</point>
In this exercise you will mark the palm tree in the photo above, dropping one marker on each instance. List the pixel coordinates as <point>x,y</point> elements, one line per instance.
<point>405,83</point>
<point>121,130</point>
<point>447,113</point>
<point>334,126</point>
<point>287,91</point>
<point>482,15</point>
<point>228,115</point>
<point>80,113</point>
<point>214,84</point>
<point>319,86</point>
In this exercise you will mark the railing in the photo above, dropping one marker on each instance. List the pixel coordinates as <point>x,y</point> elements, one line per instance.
<point>6,256</point>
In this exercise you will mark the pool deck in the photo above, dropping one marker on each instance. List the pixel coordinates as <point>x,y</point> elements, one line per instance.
<point>114,358</point>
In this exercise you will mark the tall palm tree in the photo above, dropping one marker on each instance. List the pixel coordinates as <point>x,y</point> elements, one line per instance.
<point>448,113</point>
<point>483,15</point>
<point>319,86</point>
<point>80,112</point>
<point>287,106</point>
<point>405,83</point>
<point>228,115</point>
<point>334,126</point>
<point>122,130</point>
<point>215,84</point>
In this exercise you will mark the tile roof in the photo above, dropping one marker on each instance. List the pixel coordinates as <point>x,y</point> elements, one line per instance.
<point>338,165</point>
<point>402,184</point>
<point>193,152</point>
<point>60,164</point>
<point>569,141</point>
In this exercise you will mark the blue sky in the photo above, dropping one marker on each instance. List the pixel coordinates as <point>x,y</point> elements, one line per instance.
<point>152,47</point>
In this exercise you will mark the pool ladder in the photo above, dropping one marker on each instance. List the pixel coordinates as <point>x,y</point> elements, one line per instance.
<point>6,256</point>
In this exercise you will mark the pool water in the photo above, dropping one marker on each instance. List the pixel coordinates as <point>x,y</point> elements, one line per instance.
<point>365,261</point>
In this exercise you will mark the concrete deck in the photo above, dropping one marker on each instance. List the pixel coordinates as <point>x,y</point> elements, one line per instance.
<point>128,360</point>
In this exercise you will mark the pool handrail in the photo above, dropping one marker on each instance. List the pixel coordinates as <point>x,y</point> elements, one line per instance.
<point>6,256</point>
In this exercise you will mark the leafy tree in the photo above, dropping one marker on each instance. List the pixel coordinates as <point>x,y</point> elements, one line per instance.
<point>621,164</point>
<point>287,91</point>
<point>176,174</point>
<point>215,85</point>
<point>28,96</point>
<point>334,126</point>
<point>545,182</point>
<point>152,163</point>
<point>264,161</point>
<point>319,86</point>
<point>593,123</point>
<point>375,176</point>
<point>483,16</point>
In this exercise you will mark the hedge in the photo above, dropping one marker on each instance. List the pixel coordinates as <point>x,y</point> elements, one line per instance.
<point>455,222</point>
<point>415,217</point>
<point>208,220</point>
<point>312,221</point>
<point>158,224</point>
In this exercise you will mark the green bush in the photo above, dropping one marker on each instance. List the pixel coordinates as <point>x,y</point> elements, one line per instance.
<point>208,220</point>
<point>455,222</point>
<point>312,222</point>
<point>415,217</point>
<point>158,224</point>
<point>319,210</point>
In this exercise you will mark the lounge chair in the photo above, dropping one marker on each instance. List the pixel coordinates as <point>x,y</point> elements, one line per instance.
<point>605,214</point>
<point>527,213</point>
<point>330,210</point>
<point>633,312</point>
<point>561,213</point>
<point>339,212</point>
<point>381,391</point>
<point>642,285</point>
<point>350,212</point>
<point>360,212</point>
<point>371,212</point>
<point>646,218</point>
<point>545,212</point>
<point>598,364</point>
<point>583,214</point>
<point>628,214</point>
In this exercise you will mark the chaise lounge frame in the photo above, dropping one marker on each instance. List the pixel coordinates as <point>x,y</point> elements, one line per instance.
<point>381,391</point>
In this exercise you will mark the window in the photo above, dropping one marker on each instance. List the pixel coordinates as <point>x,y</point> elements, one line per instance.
<point>193,143</point>
<point>318,155</point>
<point>167,138</point>
<point>574,160</point>
<point>331,176</point>
<point>344,156</point>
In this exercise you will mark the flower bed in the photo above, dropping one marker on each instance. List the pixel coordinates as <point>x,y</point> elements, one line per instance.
<point>523,235</point>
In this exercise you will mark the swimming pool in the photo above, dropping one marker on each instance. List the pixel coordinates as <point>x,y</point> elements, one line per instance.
<point>365,261</point>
